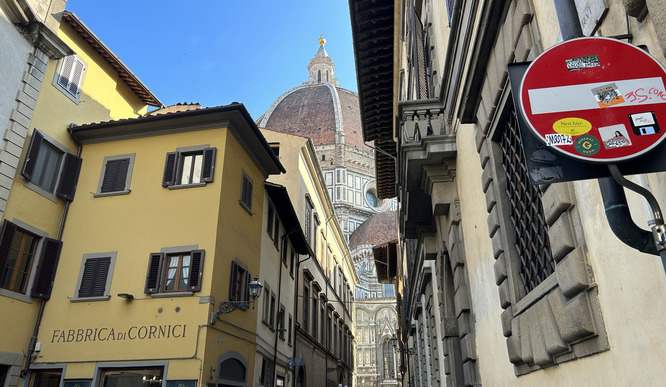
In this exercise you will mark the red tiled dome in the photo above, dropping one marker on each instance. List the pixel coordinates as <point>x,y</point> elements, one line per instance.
<point>317,111</point>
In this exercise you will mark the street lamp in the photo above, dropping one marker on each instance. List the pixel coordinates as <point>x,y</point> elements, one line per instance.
<point>254,291</point>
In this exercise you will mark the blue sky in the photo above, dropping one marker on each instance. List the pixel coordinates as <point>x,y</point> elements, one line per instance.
<point>219,51</point>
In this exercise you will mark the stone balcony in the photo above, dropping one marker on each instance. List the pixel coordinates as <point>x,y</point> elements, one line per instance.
<point>427,151</point>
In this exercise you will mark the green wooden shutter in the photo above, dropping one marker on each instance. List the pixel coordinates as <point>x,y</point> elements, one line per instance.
<point>169,177</point>
<point>154,273</point>
<point>208,169</point>
<point>48,263</point>
<point>31,158</point>
<point>115,175</point>
<point>196,270</point>
<point>69,177</point>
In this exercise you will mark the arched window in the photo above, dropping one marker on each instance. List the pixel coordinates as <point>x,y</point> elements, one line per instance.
<point>389,359</point>
<point>232,371</point>
<point>318,75</point>
<point>326,75</point>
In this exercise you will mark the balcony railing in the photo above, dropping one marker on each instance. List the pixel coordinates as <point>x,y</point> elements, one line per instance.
<point>420,120</point>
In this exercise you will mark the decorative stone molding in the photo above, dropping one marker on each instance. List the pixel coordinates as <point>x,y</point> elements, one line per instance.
<point>560,319</point>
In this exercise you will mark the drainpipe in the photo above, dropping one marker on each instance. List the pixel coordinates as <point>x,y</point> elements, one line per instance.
<point>42,304</point>
<point>615,201</point>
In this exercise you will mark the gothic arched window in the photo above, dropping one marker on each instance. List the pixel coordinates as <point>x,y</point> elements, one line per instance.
<point>232,371</point>
<point>318,75</point>
<point>388,353</point>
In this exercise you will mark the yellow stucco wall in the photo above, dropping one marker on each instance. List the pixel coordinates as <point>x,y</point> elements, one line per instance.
<point>146,220</point>
<point>103,97</point>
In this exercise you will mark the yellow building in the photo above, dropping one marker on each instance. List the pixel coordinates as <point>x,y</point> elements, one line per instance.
<point>90,85</point>
<point>324,330</point>
<point>159,249</point>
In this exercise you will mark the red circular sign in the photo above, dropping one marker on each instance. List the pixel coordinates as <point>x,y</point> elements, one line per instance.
<point>596,99</point>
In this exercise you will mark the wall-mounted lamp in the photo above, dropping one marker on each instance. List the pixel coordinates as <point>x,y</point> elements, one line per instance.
<point>254,291</point>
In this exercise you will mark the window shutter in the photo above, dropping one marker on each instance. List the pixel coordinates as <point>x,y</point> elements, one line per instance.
<point>196,270</point>
<point>33,150</point>
<point>153,275</point>
<point>232,282</point>
<point>169,170</point>
<point>78,67</point>
<point>246,289</point>
<point>69,177</point>
<point>115,176</point>
<point>8,229</point>
<point>48,263</point>
<point>95,274</point>
<point>208,170</point>
<point>65,71</point>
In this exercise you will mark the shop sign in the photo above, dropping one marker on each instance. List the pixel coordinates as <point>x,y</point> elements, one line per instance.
<point>595,99</point>
<point>110,334</point>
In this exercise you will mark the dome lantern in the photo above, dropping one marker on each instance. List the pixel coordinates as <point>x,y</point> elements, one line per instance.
<point>321,68</point>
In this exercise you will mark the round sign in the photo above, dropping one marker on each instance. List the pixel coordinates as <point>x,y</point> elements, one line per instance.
<point>596,99</point>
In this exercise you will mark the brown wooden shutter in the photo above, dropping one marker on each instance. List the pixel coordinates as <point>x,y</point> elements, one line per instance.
<point>153,275</point>
<point>115,175</point>
<point>33,151</point>
<point>208,170</point>
<point>232,282</point>
<point>170,169</point>
<point>69,177</point>
<point>246,287</point>
<point>48,263</point>
<point>7,234</point>
<point>196,270</point>
<point>93,279</point>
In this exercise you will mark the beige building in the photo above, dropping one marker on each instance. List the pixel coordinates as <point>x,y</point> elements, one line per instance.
<point>324,279</point>
<point>501,282</point>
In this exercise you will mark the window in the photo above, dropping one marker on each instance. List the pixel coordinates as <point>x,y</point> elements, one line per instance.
<point>95,275</point>
<point>50,169</point>
<point>276,232</point>
<point>18,262</point>
<point>322,313</point>
<point>246,192</point>
<point>132,376</point>
<point>239,285</point>
<point>275,148</point>
<point>45,378</point>
<point>328,176</point>
<point>280,319</point>
<point>18,251</point>
<point>70,76</point>
<point>272,311</point>
<point>267,305</point>
<point>266,376</point>
<point>189,167</point>
<point>270,219</point>
<point>289,329</point>
<point>531,231</point>
<point>315,313</point>
<point>292,261</point>
<point>175,272</point>
<point>284,252</point>
<point>306,306</point>
<point>389,359</point>
<point>309,212</point>
<point>232,371</point>
<point>116,174</point>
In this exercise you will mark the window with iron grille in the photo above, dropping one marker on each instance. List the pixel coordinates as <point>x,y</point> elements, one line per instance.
<point>524,200</point>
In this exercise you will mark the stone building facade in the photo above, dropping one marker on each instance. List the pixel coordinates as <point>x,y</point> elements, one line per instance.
<point>501,282</point>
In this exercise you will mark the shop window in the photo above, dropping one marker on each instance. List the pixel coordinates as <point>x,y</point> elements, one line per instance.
<point>19,249</point>
<point>116,175</point>
<point>239,285</point>
<point>175,272</point>
<point>246,192</point>
<point>4,370</point>
<point>266,375</point>
<point>186,168</point>
<point>132,377</point>
<point>70,76</point>
<point>95,277</point>
<point>232,371</point>
<point>50,169</point>
<point>76,383</point>
<point>45,378</point>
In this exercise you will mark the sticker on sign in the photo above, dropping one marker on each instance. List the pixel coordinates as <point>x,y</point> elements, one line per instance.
<point>558,139</point>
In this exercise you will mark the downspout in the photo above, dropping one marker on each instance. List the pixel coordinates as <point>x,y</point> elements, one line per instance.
<point>277,332</point>
<point>615,201</point>
<point>42,303</point>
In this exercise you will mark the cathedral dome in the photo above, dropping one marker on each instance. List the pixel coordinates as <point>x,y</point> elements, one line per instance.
<point>318,109</point>
<point>380,228</point>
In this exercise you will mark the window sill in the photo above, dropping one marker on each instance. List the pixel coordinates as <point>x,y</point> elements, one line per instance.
<point>172,294</point>
<point>91,299</point>
<point>535,295</point>
<point>15,295</point>
<point>184,186</point>
<point>245,207</point>
<point>41,191</point>
<point>116,193</point>
<point>74,98</point>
